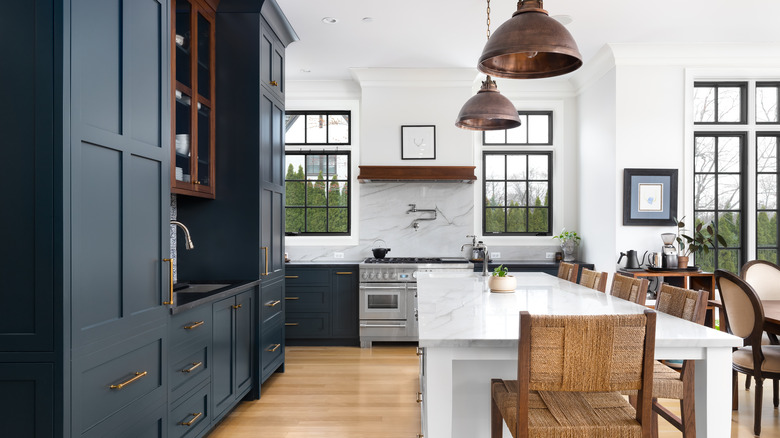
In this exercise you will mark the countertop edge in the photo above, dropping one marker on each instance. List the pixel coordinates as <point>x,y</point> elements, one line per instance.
<point>210,298</point>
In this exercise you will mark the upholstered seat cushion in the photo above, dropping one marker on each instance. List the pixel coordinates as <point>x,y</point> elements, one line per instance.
<point>744,358</point>
<point>569,414</point>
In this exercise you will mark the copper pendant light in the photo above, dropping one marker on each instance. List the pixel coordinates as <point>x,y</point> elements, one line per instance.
<point>530,45</point>
<point>488,110</point>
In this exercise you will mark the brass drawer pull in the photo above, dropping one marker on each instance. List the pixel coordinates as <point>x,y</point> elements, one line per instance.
<point>291,276</point>
<point>274,83</point>
<point>194,366</point>
<point>131,380</point>
<point>194,419</point>
<point>237,306</point>
<point>274,348</point>
<point>420,351</point>
<point>419,397</point>
<point>343,273</point>
<point>272,303</point>
<point>194,325</point>
<point>291,298</point>
<point>170,282</point>
<point>291,324</point>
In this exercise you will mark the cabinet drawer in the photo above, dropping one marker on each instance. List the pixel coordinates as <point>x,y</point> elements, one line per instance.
<point>190,326</point>
<point>272,345</point>
<point>102,388</point>
<point>307,276</point>
<point>307,325</point>
<point>192,416</point>
<point>187,372</point>
<point>272,302</point>
<point>145,418</point>
<point>307,299</point>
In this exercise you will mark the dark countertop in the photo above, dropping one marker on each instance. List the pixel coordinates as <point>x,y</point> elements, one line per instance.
<point>322,264</point>
<point>184,301</point>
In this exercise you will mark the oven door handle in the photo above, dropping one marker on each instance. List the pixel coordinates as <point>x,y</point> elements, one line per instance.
<point>369,325</point>
<point>370,288</point>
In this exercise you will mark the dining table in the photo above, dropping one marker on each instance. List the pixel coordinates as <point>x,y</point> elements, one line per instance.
<point>771,316</point>
<point>468,335</point>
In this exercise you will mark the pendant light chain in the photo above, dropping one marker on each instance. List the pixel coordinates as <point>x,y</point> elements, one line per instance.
<point>488,19</point>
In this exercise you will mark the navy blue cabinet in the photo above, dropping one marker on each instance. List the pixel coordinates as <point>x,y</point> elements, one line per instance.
<point>272,312</point>
<point>322,305</point>
<point>86,123</point>
<point>231,376</point>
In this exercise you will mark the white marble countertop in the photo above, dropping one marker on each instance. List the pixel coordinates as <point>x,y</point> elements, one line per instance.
<point>458,309</point>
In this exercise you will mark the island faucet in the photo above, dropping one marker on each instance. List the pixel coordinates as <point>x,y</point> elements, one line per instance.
<point>188,239</point>
<point>482,247</point>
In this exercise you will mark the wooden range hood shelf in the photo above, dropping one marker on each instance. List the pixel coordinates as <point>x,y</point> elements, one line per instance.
<point>464,174</point>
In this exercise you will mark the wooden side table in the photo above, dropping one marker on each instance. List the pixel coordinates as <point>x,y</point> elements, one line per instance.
<point>696,280</point>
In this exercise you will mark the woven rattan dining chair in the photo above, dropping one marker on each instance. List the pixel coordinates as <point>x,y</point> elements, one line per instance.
<point>667,382</point>
<point>594,279</point>
<point>568,271</point>
<point>764,278</point>
<point>569,371</point>
<point>628,288</point>
<point>744,317</point>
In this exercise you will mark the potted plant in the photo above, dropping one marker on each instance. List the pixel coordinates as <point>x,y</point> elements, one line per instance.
<point>569,242</point>
<point>699,241</point>
<point>500,281</point>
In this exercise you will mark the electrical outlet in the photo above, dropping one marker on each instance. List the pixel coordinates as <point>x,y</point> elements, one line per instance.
<point>338,255</point>
<point>550,255</point>
<point>495,255</point>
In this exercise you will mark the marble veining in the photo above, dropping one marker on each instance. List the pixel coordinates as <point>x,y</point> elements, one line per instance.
<point>383,215</point>
<point>458,309</point>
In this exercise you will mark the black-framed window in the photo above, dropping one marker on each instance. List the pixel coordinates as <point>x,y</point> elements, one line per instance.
<point>722,103</point>
<point>517,193</point>
<point>767,97</point>
<point>536,129</point>
<point>766,196</point>
<point>719,177</point>
<point>318,128</point>
<point>317,195</point>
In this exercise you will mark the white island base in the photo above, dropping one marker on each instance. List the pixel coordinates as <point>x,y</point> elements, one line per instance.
<point>469,336</point>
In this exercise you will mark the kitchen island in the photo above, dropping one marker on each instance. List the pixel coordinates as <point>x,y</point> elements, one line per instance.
<point>469,335</point>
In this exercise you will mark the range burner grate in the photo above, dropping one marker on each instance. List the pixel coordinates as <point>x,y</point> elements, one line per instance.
<point>390,260</point>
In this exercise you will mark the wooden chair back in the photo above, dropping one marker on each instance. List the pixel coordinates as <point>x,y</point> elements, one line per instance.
<point>594,279</point>
<point>764,278</point>
<point>630,289</point>
<point>683,303</point>
<point>568,271</point>
<point>600,353</point>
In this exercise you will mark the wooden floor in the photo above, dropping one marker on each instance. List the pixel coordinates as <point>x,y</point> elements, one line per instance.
<point>344,392</point>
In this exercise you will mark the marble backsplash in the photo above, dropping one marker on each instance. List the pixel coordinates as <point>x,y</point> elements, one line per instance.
<point>383,215</point>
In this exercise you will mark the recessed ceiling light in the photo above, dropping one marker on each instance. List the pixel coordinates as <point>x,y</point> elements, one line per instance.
<point>305,70</point>
<point>368,19</point>
<point>563,19</point>
<point>330,20</point>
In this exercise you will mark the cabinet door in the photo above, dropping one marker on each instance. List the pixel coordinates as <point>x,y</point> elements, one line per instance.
<point>27,400</point>
<point>272,63</point>
<point>27,230</point>
<point>345,303</point>
<point>117,182</point>
<point>271,187</point>
<point>271,346</point>
<point>243,340</point>
<point>222,375</point>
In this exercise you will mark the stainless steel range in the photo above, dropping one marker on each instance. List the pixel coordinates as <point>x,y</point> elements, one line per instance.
<point>388,295</point>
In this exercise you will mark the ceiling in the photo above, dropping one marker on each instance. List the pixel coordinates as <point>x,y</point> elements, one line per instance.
<point>451,33</point>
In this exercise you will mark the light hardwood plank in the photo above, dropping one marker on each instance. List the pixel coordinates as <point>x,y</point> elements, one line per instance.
<point>346,392</point>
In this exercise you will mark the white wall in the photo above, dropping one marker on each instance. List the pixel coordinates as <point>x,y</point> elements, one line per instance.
<point>596,189</point>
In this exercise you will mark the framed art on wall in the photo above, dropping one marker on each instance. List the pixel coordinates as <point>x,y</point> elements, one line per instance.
<point>649,196</point>
<point>418,142</point>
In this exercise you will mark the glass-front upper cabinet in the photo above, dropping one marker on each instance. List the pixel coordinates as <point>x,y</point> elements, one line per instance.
<point>192,154</point>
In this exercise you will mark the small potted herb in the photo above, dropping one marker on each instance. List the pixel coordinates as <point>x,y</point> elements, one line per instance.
<point>500,281</point>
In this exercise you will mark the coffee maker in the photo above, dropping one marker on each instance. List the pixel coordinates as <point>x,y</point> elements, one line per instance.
<point>668,251</point>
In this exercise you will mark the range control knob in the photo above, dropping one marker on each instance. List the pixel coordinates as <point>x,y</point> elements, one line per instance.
<point>365,275</point>
<point>392,275</point>
<point>371,275</point>
<point>387,275</point>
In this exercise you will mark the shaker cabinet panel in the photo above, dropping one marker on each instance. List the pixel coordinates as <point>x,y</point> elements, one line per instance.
<point>27,227</point>
<point>27,400</point>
